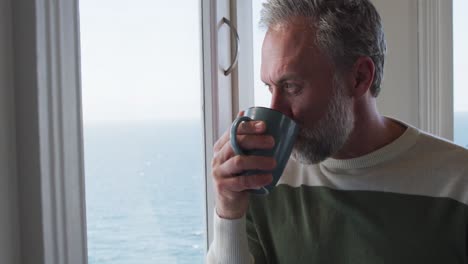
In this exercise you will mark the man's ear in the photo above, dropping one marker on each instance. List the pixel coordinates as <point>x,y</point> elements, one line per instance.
<point>362,76</point>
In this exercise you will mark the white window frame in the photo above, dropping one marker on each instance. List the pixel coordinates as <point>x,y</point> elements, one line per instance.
<point>49,143</point>
<point>49,137</point>
<point>217,93</point>
<point>435,23</point>
<point>243,75</point>
<point>209,104</point>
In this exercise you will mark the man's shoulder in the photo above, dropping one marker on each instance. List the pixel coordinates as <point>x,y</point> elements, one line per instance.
<point>439,142</point>
<point>441,150</point>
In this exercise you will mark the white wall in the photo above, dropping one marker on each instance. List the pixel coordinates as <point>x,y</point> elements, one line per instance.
<point>399,97</point>
<point>9,249</point>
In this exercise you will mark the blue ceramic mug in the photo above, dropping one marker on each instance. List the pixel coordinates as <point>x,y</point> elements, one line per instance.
<point>283,129</point>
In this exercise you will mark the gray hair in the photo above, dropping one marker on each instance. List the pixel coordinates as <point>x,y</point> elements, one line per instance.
<point>345,29</point>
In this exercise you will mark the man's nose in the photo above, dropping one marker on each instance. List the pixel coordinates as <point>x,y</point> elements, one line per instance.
<point>280,104</point>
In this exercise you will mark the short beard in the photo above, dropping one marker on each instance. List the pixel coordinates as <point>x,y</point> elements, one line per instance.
<point>330,133</point>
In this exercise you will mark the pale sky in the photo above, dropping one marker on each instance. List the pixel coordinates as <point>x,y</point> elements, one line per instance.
<point>141,59</point>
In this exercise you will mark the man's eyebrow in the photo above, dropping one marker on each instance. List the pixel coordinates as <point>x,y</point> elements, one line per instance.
<point>285,77</point>
<point>288,77</point>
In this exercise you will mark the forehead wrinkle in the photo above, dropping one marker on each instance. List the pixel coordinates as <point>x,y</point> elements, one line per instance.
<point>289,49</point>
<point>281,69</point>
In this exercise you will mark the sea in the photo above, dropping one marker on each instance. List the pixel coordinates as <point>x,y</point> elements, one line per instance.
<point>461,128</point>
<point>145,191</point>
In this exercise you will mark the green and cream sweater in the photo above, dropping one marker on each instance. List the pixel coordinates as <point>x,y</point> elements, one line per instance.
<point>404,203</point>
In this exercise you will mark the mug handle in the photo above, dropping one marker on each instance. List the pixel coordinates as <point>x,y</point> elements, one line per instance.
<point>238,150</point>
<point>233,135</point>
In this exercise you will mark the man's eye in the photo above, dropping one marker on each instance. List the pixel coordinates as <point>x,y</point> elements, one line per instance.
<point>291,88</point>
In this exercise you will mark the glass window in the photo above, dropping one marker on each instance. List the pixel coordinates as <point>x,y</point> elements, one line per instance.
<point>144,152</point>
<point>262,96</point>
<point>460,60</point>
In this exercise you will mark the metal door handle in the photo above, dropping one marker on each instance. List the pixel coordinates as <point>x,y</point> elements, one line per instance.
<point>236,57</point>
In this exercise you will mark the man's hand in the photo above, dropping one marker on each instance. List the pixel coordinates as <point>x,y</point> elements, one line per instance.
<point>231,194</point>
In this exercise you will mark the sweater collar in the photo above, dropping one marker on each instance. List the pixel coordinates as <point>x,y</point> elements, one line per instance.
<point>387,152</point>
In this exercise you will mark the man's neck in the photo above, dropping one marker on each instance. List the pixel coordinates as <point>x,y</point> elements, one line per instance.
<point>371,132</point>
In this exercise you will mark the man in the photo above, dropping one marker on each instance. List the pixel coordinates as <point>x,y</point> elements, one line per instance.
<point>359,187</point>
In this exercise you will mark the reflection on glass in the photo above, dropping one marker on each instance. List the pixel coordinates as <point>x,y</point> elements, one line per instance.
<point>142,131</point>
<point>460,59</point>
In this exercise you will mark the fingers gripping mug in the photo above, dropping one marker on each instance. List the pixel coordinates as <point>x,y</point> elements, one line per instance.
<point>284,131</point>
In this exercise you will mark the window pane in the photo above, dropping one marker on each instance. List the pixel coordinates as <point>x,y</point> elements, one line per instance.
<point>262,96</point>
<point>144,159</point>
<point>460,59</point>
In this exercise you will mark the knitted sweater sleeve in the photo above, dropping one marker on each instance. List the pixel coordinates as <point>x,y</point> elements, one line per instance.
<point>230,243</point>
